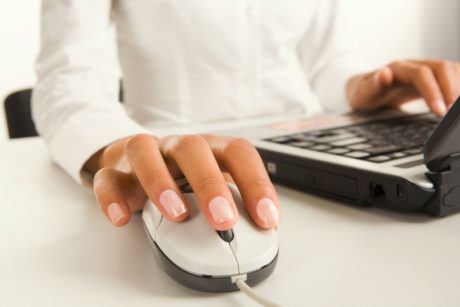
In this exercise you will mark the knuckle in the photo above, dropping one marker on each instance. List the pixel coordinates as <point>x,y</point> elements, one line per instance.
<point>209,182</point>
<point>262,181</point>
<point>397,63</point>
<point>152,179</point>
<point>457,66</point>
<point>102,180</point>
<point>238,146</point>
<point>133,142</point>
<point>444,65</point>
<point>102,174</point>
<point>188,141</point>
<point>423,71</point>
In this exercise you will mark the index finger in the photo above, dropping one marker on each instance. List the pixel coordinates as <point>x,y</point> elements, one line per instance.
<point>448,74</point>
<point>424,80</point>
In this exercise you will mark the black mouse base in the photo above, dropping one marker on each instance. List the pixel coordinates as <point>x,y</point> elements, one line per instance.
<point>207,283</point>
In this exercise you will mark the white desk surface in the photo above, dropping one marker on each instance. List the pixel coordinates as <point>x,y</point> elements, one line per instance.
<point>56,249</point>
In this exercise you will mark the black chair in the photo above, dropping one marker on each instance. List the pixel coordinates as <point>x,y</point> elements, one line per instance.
<point>18,115</point>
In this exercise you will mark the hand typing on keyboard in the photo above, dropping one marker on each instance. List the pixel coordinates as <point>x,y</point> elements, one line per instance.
<point>434,80</point>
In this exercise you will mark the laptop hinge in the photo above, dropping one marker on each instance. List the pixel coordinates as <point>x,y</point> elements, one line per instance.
<point>447,185</point>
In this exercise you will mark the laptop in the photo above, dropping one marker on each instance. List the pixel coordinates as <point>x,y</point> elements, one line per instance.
<point>390,159</point>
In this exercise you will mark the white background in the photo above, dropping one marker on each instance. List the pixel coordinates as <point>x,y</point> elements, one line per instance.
<point>386,30</point>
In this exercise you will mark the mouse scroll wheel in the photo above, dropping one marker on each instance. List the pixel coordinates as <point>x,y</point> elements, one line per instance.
<point>226,235</point>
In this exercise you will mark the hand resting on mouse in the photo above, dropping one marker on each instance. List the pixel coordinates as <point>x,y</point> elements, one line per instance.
<point>130,170</point>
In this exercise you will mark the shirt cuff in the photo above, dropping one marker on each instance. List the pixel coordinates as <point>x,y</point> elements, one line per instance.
<point>330,85</point>
<point>86,133</point>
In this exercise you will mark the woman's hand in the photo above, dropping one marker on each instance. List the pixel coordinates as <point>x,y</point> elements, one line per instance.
<point>437,81</point>
<point>131,170</point>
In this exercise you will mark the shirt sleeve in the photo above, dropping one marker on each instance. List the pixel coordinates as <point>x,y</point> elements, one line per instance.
<point>75,100</point>
<point>329,55</point>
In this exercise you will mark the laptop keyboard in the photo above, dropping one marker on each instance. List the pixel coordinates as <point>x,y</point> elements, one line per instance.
<point>377,142</point>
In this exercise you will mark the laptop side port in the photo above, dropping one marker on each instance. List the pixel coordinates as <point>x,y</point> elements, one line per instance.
<point>378,192</point>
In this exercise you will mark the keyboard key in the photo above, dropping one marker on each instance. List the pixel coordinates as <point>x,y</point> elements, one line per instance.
<point>302,144</point>
<point>321,147</point>
<point>357,154</point>
<point>378,150</point>
<point>348,142</point>
<point>379,159</point>
<point>333,138</point>
<point>398,155</point>
<point>339,151</point>
<point>414,151</point>
<point>360,146</point>
<point>281,139</point>
<point>302,137</point>
<point>378,142</point>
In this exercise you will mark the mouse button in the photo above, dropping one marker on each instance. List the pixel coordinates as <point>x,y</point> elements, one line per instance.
<point>253,247</point>
<point>226,235</point>
<point>236,196</point>
<point>186,188</point>
<point>193,208</point>
<point>151,217</point>
<point>195,247</point>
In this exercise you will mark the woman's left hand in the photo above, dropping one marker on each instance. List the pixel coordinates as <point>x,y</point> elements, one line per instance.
<point>437,81</point>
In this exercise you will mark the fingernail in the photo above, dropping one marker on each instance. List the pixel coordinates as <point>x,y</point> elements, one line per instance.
<point>220,209</point>
<point>115,213</point>
<point>268,212</point>
<point>441,105</point>
<point>172,203</point>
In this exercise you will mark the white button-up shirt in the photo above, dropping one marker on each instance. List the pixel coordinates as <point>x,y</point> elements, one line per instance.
<point>182,62</point>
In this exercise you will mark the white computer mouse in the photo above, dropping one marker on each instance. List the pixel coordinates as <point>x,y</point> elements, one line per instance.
<point>201,258</point>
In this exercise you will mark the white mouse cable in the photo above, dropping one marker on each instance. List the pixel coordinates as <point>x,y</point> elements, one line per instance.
<point>244,287</point>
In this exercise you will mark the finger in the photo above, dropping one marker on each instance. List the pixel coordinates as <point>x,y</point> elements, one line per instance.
<point>381,80</point>
<point>457,69</point>
<point>242,161</point>
<point>196,160</point>
<point>448,76</point>
<point>424,80</point>
<point>368,89</point>
<point>148,165</point>
<point>378,83</point>
<point>108,188</point>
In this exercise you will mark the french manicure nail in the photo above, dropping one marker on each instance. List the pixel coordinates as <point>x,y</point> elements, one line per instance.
<point>220,209</point>
<point>441,104</point>
<point>268,212</point>
<point>172,203</point>
<point>115,213</point>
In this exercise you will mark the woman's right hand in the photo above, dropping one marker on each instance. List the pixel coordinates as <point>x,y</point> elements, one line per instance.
<point>131,170</point>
